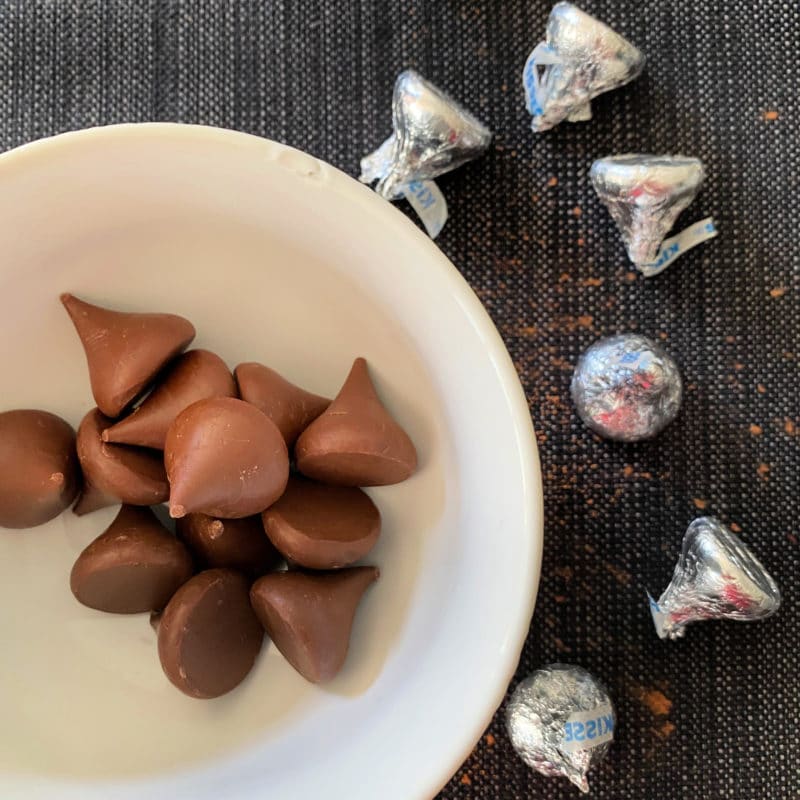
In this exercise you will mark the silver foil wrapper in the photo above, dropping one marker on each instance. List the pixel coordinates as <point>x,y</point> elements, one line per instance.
<point>579,59</point>
<point>626,387</point>
<point>561,721</point>
<point>645,194</point>
<point>432,135</point>
<point>716,577</point>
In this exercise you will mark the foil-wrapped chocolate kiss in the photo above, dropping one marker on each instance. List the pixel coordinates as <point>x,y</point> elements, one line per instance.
<point>716,577</point>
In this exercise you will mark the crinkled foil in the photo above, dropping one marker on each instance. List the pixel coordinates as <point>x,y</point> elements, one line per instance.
<point>626,387</point>
<point>579,59</point>
<point>716,577</point>
<point>561,722</point>
<point>432,135</point>
<point>645,194</point>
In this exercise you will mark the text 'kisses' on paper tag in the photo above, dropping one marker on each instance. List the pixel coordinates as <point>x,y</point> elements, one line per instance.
<point>676,246</point>
<point>586,729</point>
<point>427,200</point>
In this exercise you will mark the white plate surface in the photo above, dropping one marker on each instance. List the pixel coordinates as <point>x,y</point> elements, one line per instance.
<point>275,257</point>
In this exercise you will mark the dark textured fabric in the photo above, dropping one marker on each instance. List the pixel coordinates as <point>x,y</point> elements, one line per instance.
<point>715,715</point>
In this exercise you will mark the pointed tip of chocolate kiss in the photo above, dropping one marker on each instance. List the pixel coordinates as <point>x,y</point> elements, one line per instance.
<point>195,375</point>
<point>291,408</point>
<point>309,616</point>
<point>124,350</point>
<point>356,441</point>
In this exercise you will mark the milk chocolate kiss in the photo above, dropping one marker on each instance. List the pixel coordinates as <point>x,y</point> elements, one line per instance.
<point>115,473</point>
<point>309,616</point>
<point>135,565</point>
<point>322,527</point>
<point>194,376</point>
<point>291,408</point>
<point>125,351</point>
<point>39,473</point>
<point>356,442</point>
<point>239,544</point>
<point>224,458</point>
<point>208,635</point>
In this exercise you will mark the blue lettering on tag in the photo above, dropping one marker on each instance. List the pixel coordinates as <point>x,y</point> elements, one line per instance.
<point>530,81</point>
<point>629,358</point>
<point>667,255</point>
<point>422,193</point>
<point>588,729</point>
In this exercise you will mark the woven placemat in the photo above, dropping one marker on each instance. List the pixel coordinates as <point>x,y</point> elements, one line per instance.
<point>715,715</point>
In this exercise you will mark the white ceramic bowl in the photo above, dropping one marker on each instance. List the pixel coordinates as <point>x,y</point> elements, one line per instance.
<point>275,257</point>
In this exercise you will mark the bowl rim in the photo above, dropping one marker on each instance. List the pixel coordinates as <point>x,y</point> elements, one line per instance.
<point>533,522</point>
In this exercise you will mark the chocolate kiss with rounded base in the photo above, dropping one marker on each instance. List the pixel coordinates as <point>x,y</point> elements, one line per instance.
<point>208,635</point>
<point>125,351</point>
<point>196,375</point>
<point>291,408</point>
<point>238,544</point>
<point>310,616</point>
<point>356,442</point>
<point>39,473</point>
<point>224,458</point>
<point>322,527</point>
<point>115,473</point>
<point>135,565</point>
